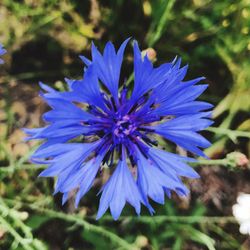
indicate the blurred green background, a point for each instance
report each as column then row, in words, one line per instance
column 44, row 39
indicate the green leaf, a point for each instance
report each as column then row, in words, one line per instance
column 199, row 237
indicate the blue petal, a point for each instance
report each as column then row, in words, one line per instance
column 33, row 131
column 69, row 82
column 65, row 111
column 2, row 52
column 120, row 188
column 188, row 122
column 147, row 77
column 171, row 164
column 47, row 88
column 77, row 176
column 65, row 198
column 60, row 149
column 108, row 66
column 82, row 178
column 88, row 89
column 56, row 130
column 179, row 92
column 85, row 60
column 152, row 181
column 182, row 131
column 177, row 98
column 183, row 108
column 61, row 129
column 68, row 165
column 142, row 70
column 186, row 139
column 88, row 174
column 189, row 94
column 68, row 161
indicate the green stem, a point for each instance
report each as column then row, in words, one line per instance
column 155, row 36
column 198, row 219
column 12, row 168
column 230, row 241
column 17, row 236
column 130, row 79
column 230, row 133
column 79, row 221
column 5, row 211
column 146, row 219
column 221, row 162
column 14, row 215
column 179, row 219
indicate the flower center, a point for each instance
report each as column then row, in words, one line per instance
column 124, row 127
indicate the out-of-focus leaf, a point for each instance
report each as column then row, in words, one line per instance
column 198, row 236
column 35, row 221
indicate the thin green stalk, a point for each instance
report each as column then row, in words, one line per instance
column 91, row 227
column 26, row 156
column 79, row 221
column 230, row 240
column 146, row 219
column 13, row 215
column 155, row 36
column 12, row 168
column 217, row 162
column 24, row 242
column 130, row 79
column 29, row 75
column 179, row 219
column 229, row 132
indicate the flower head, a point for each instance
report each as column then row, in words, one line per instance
column 112, row 127
column 2, row 52
column 241, row 211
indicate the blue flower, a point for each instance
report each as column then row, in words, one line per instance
column 2, row 52
column 99, row 122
